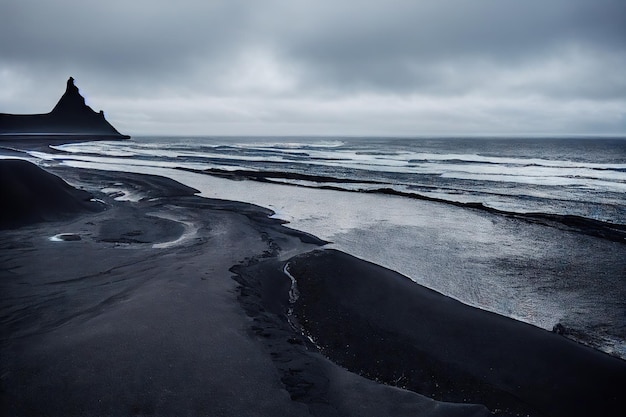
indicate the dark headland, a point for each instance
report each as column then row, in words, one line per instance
column 181, row 305
column 71, row 119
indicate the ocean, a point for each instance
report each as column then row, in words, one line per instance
column 529, row 228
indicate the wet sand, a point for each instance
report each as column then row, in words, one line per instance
column 432, row 344
column 179, row 305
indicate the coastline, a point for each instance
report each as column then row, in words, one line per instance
column 592, row 227
column 430, row 343
column 37, row 141
column 130, row 328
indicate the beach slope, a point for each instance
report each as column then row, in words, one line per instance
column 140, row 313
column 381, row 324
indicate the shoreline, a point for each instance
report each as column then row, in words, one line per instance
column 435, row 345
column 614, row 232
column 179, row 313
column 109, row 324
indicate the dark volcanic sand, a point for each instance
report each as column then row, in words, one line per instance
column 31, row 195
column 111, row 325
column 178, row 305
column 381, row 324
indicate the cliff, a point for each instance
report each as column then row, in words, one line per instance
column 71, row 117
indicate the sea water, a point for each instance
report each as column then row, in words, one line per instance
column 338, row 189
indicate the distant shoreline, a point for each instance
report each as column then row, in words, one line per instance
column 56, row 136
column 32, row 142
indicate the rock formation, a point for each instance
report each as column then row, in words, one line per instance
column 70, row 117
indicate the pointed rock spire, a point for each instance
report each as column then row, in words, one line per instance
column 70, row 116
column 71, row 100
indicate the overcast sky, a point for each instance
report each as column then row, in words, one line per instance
column 340, row 67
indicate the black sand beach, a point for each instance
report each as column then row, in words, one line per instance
column 179, row 305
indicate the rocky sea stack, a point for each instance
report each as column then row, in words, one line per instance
column 70, row 117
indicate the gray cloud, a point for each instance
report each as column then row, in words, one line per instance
column 412, row 44
column 331, row 67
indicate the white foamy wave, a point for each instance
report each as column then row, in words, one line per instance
column 96, row 148
column 288, row 145
column 329, row 153
column 589, row 184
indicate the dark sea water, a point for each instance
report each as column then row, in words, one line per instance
column 464, row 216
column 585, row 177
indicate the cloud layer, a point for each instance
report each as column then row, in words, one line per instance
column 302, row 67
